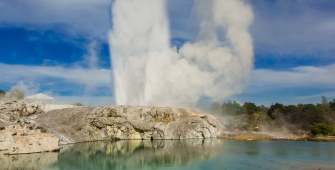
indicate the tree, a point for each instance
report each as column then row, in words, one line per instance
column 324, row 101
column 322, row 129
column 332, row 104
column 274, row 108
column 250, row 107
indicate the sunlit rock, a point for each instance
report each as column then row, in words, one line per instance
column 128, row 122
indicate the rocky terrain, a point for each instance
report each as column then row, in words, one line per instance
column 26, row 128
column 81, row 124
column 18, row 134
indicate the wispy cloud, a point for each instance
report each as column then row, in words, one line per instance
column 15, row 73
column 266, row 85
column 281, row 27
column 303, row 84
column 298, row 77
column 291, row 27
column 76, row 17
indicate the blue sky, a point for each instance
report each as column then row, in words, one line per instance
column 60, row 48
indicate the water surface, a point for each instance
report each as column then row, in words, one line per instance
column 215, row 154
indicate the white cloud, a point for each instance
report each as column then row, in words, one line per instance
column 15, row 73
column 297, row 77
column 290, row 27
column 304, row 84
column 281, row 27
column 79, row 82
column 79, row 17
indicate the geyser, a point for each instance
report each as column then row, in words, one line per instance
column 147, row 71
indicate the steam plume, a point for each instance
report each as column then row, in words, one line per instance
column 147, row 71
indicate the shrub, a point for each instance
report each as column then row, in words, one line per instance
column 322, row 129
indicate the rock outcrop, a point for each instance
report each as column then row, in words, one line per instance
column 17, row 108
column 127, row 122
column 19, row 140
column 18, row 133
column 25, row 128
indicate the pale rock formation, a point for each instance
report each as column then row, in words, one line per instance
column 18, row 140
column 25, row 128
column 50, row 107
column 18, row 133
column 128, row 122
column 16, row 108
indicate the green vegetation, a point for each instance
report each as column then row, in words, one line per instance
column 322, row 129
column 296, row 119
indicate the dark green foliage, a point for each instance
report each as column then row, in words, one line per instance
column 294, row 118
column 302, row 116
column 332, row 104
column 324, row 100
column 322, row 129
column 250, row 107
column 275, row 108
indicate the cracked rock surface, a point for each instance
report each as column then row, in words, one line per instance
column 81, row 124
column 26, row 128
column 18, row 132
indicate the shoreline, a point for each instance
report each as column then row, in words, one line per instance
column 245, row 136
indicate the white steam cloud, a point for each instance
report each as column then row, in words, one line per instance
column 147, row 71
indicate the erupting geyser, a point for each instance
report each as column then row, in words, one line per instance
column 147, row 71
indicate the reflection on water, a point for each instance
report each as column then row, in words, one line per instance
column 212, row 154
column 28, row 161
column 137, row 154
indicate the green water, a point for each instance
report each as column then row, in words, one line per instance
column 185, row 154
